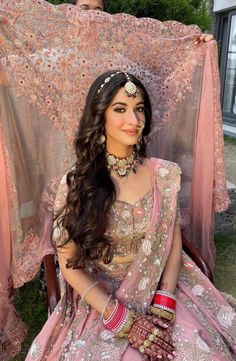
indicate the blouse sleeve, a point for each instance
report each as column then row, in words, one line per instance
column 178, row 215
column 59, row 233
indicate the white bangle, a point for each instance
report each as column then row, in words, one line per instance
column 105, row 307
column 166, row 293
column 88, row 290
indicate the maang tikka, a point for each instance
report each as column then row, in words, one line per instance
column 131, row 89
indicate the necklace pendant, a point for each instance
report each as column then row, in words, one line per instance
column 122, row 172
column 123, row 166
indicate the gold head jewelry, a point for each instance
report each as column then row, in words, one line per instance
column 131, row 89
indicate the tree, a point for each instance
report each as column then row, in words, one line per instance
column 184, row 11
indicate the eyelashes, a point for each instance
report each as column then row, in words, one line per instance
column 123, row 110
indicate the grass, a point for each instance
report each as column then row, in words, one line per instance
column 229, row 139
column 225, row 270
column 31, row 304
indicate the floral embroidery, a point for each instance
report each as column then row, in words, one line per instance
column 35, row 350
column 147, row 247
column 143, row 283
column 163, row 172
column 198, row 290
column 202, row 345
column 226, row 316
column 106, row 335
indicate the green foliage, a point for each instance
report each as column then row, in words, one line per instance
column 31, row 306
column 184, row 11
column 229, row 139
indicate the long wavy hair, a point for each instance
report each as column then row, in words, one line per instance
column 91, row 192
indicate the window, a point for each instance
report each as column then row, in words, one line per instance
column 228, row 65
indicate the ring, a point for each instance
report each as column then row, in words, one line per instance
column 152, row 337
column 141, row 349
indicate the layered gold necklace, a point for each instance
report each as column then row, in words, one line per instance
column 123, row 166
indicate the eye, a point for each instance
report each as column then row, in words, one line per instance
column 119, row 110
column 140, row 109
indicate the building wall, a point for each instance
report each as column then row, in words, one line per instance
column 221, row 5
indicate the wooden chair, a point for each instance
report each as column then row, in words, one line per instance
column 53, row 290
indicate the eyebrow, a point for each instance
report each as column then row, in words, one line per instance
column 87, row 7
column 121, row 103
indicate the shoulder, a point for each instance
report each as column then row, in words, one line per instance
column 167, row 174
column 164, row 166
column 61, row 195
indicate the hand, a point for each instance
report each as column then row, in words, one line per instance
column 205, row 38
column 161, row 322
column 157, row 341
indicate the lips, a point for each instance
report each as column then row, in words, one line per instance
column 131, row 132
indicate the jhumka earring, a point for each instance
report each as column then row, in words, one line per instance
column 138, row 145
column 102, row 140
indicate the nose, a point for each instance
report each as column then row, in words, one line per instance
column 133, row 118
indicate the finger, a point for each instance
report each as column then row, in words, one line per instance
column 159, row 321
column 161, row 343
column 156, row 354
column 208, row 38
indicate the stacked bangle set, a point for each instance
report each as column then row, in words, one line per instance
column 121, row 319
column 164, row 305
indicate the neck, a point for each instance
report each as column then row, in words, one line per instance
column 120, row 152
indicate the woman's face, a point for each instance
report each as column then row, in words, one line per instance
column 90, row 4
column 124, row 121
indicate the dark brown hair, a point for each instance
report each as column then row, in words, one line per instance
column 91, row 191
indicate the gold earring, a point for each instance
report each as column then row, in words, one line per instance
column 138, row 145
column 102, row 139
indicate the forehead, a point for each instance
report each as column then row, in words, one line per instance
column 91, row 3
column 122, row 97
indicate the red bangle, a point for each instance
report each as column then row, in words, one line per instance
column 164, row 301
column 118, row 316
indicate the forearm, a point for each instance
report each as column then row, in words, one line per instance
column 80, row 281
column 170, row 274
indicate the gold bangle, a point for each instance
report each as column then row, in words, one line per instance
column 123, row 333
column 162, row 313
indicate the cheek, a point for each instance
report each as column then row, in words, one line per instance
column 114, row 123
column 142, row 118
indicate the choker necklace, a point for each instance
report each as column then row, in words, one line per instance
column 123, row 166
